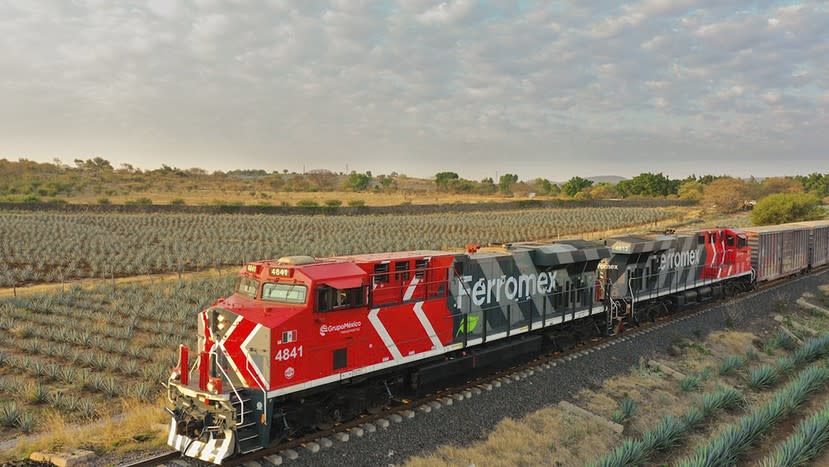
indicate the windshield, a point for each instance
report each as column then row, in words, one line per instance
column 284, row 293
column 247, row 287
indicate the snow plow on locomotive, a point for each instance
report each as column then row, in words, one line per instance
column 305, row 342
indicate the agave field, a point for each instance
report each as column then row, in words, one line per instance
column 732, row 441
column 79, row 351
column 54, row 247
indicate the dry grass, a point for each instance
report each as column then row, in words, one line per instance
column 547, row 437
column 138, row 427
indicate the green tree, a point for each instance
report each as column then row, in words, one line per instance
column 555, row 190
column 542, row 186
column 816, row 183
column 442, row 179
column 505, row 183
column 385, row 181
column 780, row 208
column 575, row 185
column 648, row 184
column 357, row 181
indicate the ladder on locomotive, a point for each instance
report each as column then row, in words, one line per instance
column 247, row 431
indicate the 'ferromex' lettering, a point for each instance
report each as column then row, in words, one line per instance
column 676, row 260
column 485, row 291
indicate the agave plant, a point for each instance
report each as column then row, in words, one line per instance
column 812, row 349
column 627, row 407
column 9, row 413
column 85, row 408
column 730, row 443
column 804, row 444
column 762, row 377
column 785, row 364
column 724, row 398
column 730, row 364
column 37, row 393
column 630, row 452
column 8, row 385
column 142, row 391
column 26, row 422
column 691, row 383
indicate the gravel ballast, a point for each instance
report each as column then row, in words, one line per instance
column 471, row 420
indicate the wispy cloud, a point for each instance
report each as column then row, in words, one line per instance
column 478, row 86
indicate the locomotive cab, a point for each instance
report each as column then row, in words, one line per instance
column 219, row 403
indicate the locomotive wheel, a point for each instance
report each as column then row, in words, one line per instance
column 335, row 411
column 377, row 401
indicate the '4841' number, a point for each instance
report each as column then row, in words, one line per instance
column 288, row 353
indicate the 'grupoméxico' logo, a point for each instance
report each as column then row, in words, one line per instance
column 342, row 327
column 485, row 291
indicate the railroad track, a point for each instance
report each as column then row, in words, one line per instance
column 405, row 409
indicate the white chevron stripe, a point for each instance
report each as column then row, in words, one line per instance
column 221, row 345
column 427, row 326
column 250, row 361
column 384, row 334
column 411, row 289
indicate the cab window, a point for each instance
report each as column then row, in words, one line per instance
column 741, row 242
column 283, row 292
column 246, row 286
column 329, row 298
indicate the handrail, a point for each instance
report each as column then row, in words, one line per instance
column 190, row 371
column 264, row 392
column 241, row 402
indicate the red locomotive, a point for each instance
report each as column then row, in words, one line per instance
column 306, row 342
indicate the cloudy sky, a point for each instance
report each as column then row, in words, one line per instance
column 546, row 88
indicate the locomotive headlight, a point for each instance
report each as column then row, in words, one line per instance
column 211, row 387
column 222, row 322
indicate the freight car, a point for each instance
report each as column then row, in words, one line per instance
column 818, row 242
column 305, row 342
column 778, row 250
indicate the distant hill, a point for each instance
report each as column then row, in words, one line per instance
column 612, row 179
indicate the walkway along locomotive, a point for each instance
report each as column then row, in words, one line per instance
column 307, row 342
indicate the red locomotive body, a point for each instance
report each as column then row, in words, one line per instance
column 298, row 324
